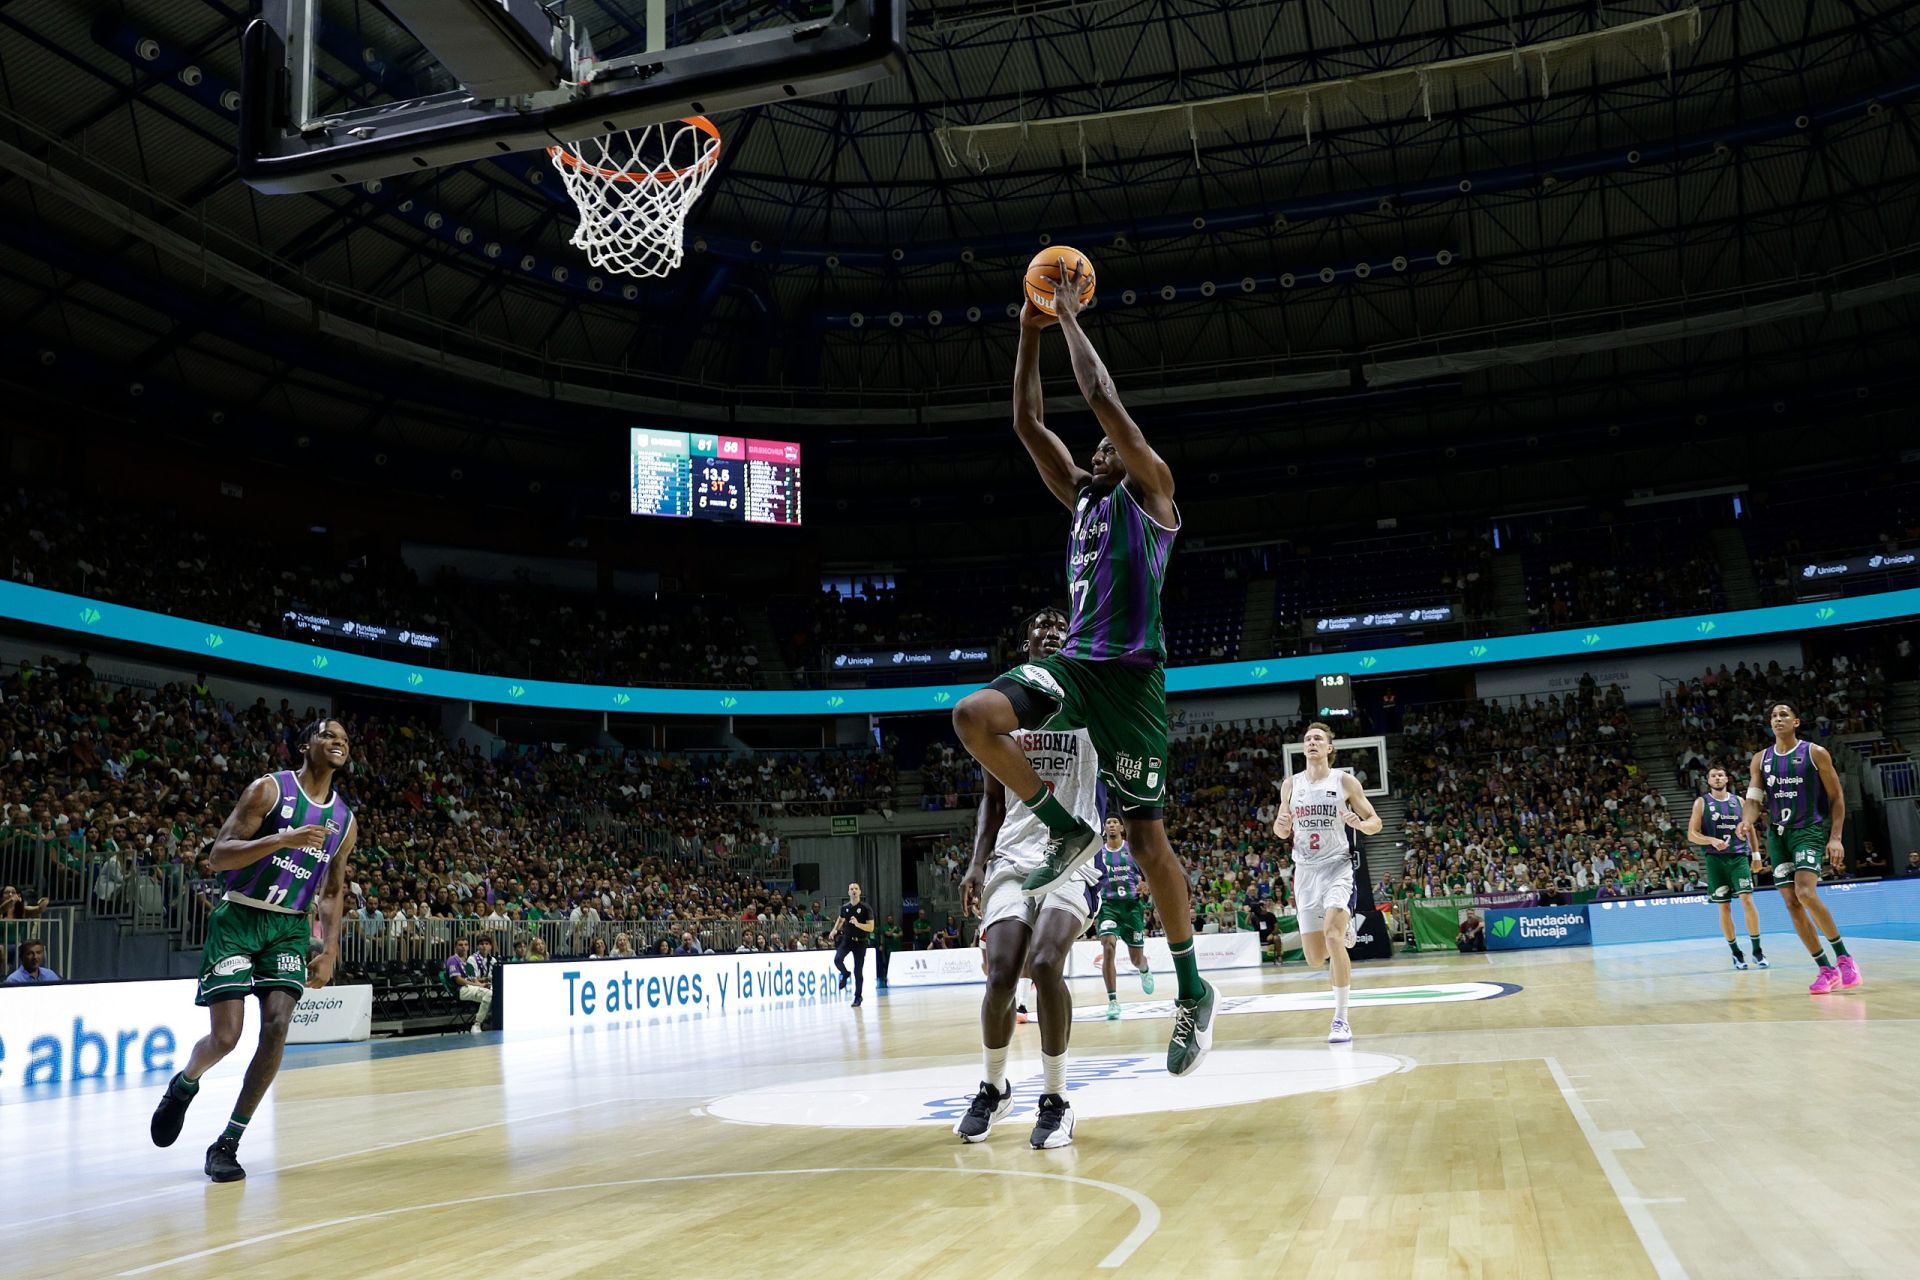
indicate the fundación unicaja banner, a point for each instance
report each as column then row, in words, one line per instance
column 1521, row 928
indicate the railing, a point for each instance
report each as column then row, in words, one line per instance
column 366, row 944
column 53, row 928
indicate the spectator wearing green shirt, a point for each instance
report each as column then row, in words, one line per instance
column 922, row 932
column 890, row 940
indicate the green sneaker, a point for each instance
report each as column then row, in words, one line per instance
column 1065, row 855
column 1113, row 1008
column 1192, row 1033
column 1146, row 981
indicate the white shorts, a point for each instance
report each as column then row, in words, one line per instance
column 1320, row 887
column 1005, row 901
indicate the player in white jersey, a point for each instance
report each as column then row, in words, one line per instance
column 1034, row 933
column 1317, row 807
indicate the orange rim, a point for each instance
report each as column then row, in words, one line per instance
column 701, row 123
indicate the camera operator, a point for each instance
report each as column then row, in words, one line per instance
column 851, row 932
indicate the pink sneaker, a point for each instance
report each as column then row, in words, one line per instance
column 1829, row 980
column 1849, row 972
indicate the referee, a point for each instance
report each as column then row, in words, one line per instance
column 853, row 930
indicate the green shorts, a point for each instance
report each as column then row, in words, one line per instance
column 1728, row 875
column 252, row 952
column 1796, row 849
column 1123, row 708
column 1125, row 919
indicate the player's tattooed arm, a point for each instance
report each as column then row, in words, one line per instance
column 1147, row 472
column 1750, row 803
column 1836, row 800
column 1064, row 478
column 231, row 850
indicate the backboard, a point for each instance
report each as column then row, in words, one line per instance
column 336, row 92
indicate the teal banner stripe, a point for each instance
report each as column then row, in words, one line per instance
column 196, row 640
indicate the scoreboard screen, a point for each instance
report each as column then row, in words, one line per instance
column 704, row 477
column 1333, row 697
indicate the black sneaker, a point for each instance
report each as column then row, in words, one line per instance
column 845, row 978
column 223, row 1161
column 171, row 1113
column 1054, row 1127
column 1065, row 854
column 989, row 1104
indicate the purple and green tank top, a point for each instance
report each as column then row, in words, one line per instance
column 1795, row 795
column 1116, row 564
column 1721, row 819
column 1119, row 874
column 290, row 879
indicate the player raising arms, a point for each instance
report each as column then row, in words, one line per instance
column 1108, row 676
column 1123, row 918
column 1729, row 860
column 280, row 850
column 1805, row 811
column 1316, row 809
column 1019, row 930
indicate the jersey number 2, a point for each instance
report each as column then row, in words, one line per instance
column 1313, row 842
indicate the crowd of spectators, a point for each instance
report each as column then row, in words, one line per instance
column 1616, row 573
column 1721, row 716
column 1534, row 795
column 608, row 638
column 126, row 788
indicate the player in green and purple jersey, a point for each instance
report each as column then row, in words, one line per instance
column 1108, row 676
column 1715, row 824
column 281, row 851
column 1123, row 917
column 1805, row 810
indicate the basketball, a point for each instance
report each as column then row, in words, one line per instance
column 1049, row 267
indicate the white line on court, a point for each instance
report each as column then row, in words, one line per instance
column 1149, row 1212
column 1666, row 1263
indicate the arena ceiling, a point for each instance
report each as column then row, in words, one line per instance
column 1633, row 245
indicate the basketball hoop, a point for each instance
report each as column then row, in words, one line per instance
column 634, row 189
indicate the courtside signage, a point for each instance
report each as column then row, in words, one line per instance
column 1521, row 928
column 137, row 1031
column 1855, row 905
column 1109, row 1085
column 580, row 995
column 232, row 643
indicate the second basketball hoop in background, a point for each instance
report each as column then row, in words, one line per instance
column 634, row 189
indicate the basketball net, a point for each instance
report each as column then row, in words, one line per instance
column 634, row 189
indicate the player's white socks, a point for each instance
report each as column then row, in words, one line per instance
column 1054, row 1068
column 996, row 1063
column 1340, row 1002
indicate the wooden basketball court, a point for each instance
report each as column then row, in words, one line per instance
column 1619, row 1112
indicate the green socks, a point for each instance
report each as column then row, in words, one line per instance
column 236, row 1127
column 1050, row 811
column 186, row 1086
column 1186, row 970
column 1735, row 948
column 1839, row 947
column 1820, row 959
column 1754, row 938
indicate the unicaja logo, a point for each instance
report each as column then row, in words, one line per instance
column 1502, row 928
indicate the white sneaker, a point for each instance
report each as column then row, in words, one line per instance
column 1353, row 928
column 1341, row 1033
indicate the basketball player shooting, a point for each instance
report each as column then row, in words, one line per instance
column 1317, row 808
column 1108, row 677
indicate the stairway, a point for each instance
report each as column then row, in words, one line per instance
column 1655, row 754
column 759, row 634
column 1901, row 717
column 1256, row 625
column 908, row 790
column 1509, row 594
column 1387, row 852
column 1736, row 568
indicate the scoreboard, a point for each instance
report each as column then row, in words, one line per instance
column 705, row 477
column 1333, row 697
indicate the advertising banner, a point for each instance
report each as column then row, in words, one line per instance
column 1384, row 619
column 1522, row 928
column 935, row 968
column 1892, row 906
column 332, row 1015
column 576, row 995
column 139, row 1031
column 888, row 659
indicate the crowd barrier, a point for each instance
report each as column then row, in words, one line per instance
column 74, row 1032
